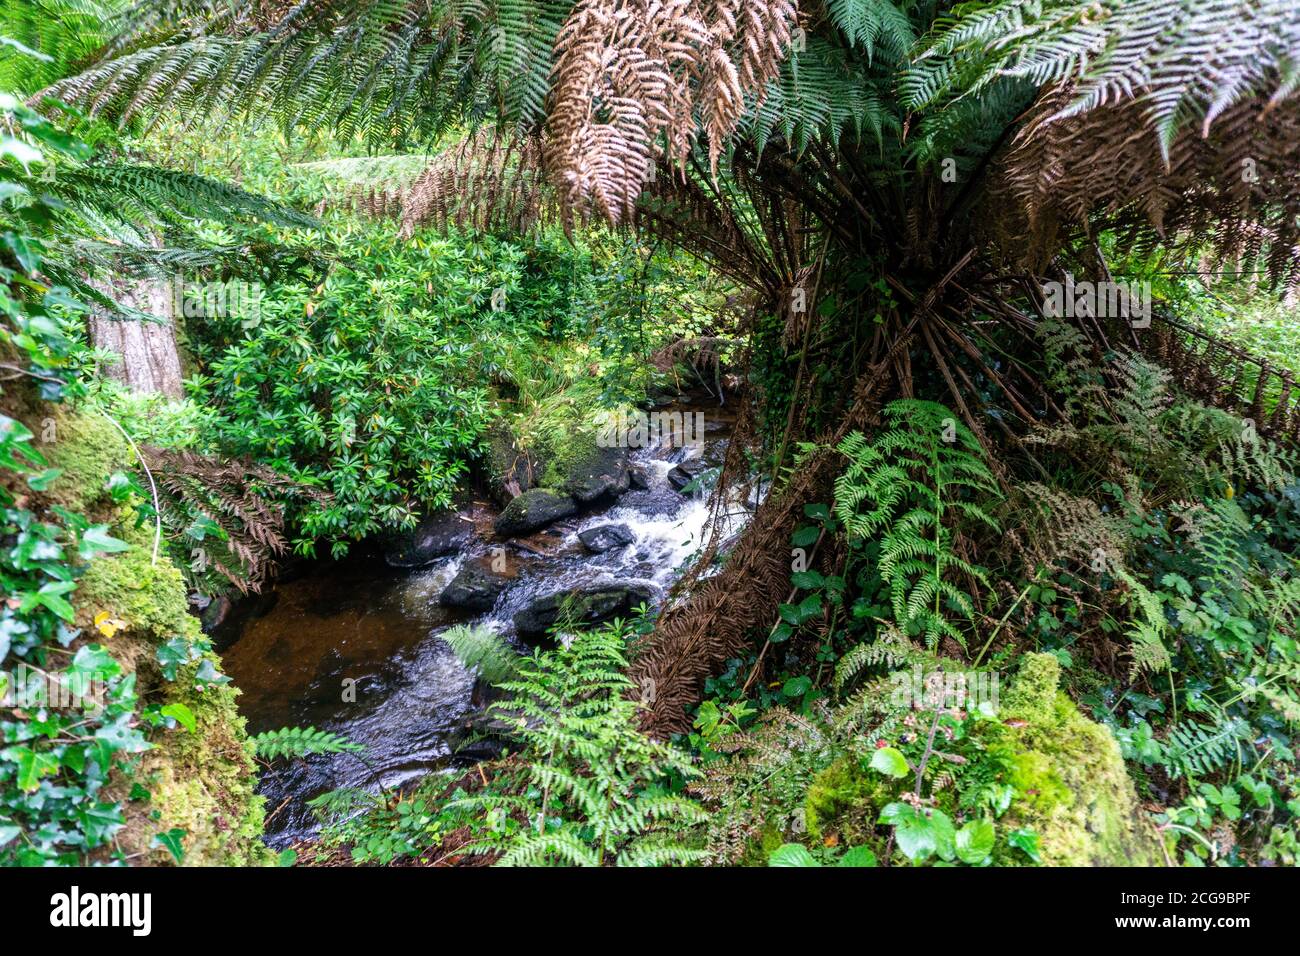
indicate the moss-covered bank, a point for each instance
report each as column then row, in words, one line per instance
column 200, row 782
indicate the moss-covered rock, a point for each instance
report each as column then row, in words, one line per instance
column 1069, row 777
column 585, row 471
column 532, row 511
column 201, row 782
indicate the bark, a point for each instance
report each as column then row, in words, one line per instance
column 148, row 359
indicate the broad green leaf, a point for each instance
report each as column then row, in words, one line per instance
column 791, row 854
column 1026, row 841
column 975, row 842
column 181, row 714
column 171, row 840
column 857, row 856
column 890, row 762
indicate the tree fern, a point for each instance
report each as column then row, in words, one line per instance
column 917, row 485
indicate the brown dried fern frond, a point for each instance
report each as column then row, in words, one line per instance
column 244, row 500
column 633, row 78
column 489, row 180
column 1233, row 184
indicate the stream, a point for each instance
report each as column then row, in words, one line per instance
column 353, row 646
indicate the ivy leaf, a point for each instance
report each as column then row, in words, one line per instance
column 171, row 840
column 32, row 766
column 96, row 541
column 182, row 715
column 975, row 842
column 791, row 854
column 1026, row 841
column 43, row 481
column 890, row 762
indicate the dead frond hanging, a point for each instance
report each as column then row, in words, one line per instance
column 228, row 515
column 1233, row 184
column 632, row 77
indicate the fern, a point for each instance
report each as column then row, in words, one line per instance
column 480, row 648
column 891, row 649
column 592, row 794
column 301, row 742
column 1198, row 750
column 918, row 489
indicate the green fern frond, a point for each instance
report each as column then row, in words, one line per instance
column 301, row 742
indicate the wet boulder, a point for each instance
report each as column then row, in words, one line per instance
column 589, row 605
column 683, row 474
column 593, row 472
column 474, row 588
column 606, row 537
column 532, row 511
column 436, row 536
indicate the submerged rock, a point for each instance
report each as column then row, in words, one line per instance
column 533, row 510
column 606, row 537
column 589, row 605
column 436, row 536
column 474, row 588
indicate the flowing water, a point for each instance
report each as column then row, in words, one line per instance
column 353, row 646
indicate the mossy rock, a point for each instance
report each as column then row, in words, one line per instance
column 1071, row 785
column 532, row 511
column 201, row 782
column 585, row 471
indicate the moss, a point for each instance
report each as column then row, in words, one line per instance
column 88, row 449
column 201, row 782
column 1069, row 776
column 843, row 800
column 759, row 849
column 567, row 452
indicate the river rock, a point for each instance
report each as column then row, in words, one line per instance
column 511, row 470
column 597, row 472
column 638, row 479
column 532, row 510
column 474, row 588
column 436, row 536
column 606, row 537
column 683, row 474
column 589, row 605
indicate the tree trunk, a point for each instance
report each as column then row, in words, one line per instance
column 148, row 358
